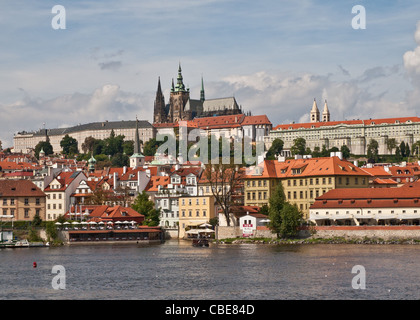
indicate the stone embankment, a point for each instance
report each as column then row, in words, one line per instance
column 319, row 241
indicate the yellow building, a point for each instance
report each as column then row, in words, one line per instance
column 194, row 211
column 303, row 180
column 21, row 200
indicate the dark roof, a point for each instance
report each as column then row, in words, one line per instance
column 104, row 125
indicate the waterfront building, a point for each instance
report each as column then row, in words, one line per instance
column 21, row 200
column 236, row 212
column 355, row 134
column 59, row 191
column 194, row 211
column 304, row 179
column 372, row 206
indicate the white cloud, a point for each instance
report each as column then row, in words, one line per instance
column 108, row 102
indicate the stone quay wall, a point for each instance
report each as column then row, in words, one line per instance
column 328, row 232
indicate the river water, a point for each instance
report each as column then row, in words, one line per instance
column 178, row 271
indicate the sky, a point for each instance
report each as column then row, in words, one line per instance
column 275, row 57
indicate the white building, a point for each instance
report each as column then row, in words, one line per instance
column 355, row 134
column 59, row 191
column 368, row 206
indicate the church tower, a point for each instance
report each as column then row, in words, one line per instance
column 137, row 159
column 326, row 113
column 202, row 97
column 178, row 99
column 159, row 113
column 315, row 113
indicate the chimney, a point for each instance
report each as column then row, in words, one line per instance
column 115, row 179
column 124, row 169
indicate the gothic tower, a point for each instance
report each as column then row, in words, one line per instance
column 159, row 113
column 314, row 112
column 326, row 113
column 202, row 98
column 179, row 97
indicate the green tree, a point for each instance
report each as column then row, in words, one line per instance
column 43, row 145
column 373, row 151
column 120, row 160
column 391, row 144
column 345, row 151
column 299, row 146
column 276, row 202
column 403, row 149
column 275, row 149
column 113, row 144
column 291, row 219
column 69, row 145
column 89, row 144
column 285, row 218
column 316, row 153
column 151, row 146
column 144, row 206
column 128, row 147
column 415, row 148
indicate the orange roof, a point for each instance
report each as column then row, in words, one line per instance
column 19, row 188
column 326, row 166
column 369, row 197
column 219, row 121
column 249, row 120
column 156, row 181
column 377, row 171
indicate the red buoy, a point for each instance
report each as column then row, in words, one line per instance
column 34, row 264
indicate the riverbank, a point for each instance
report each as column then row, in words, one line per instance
column 334, row 240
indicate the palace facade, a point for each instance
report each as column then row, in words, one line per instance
column 355, row 134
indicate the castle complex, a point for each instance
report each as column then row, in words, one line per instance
column 355, row 134
column 182, row 108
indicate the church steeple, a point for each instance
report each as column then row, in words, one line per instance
column 179, row 80
column 326, row 113
column 314, row 112
column 137, row 159
column 202, row 97
column 159, row 112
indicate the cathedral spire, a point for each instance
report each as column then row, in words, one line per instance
column 179, row 80
column 159, row 112
column 202, row 98
column 137, row 138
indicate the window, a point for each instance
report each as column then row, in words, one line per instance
column 190, row 213
column 197, row 202
column 26, row 213
column 26, row 201
column 197, row 213
column 12, row 212
column 204, row 213
column 5, row 202
column 183, row 213
column 204, row 201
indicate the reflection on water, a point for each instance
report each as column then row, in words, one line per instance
column 177, row 270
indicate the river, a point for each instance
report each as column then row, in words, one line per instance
column 176, row 270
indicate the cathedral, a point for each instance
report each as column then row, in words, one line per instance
column 182, row 108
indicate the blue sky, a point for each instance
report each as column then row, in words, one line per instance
column 274, row 56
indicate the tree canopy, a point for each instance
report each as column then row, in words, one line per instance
column 144, row 206
column 285, row 218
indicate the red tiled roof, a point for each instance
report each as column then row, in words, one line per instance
column 326, row 166
column 19, row 188
column 309, row 125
